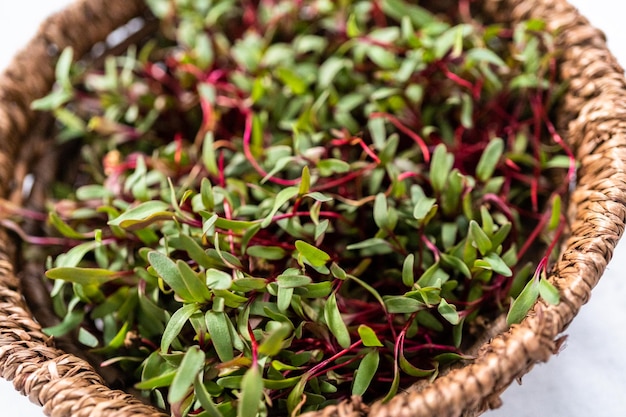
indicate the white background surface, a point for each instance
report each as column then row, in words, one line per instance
column 588, row 378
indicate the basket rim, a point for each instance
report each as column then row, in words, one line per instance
column 594, row 103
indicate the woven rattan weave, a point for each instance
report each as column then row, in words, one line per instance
column 592, row 118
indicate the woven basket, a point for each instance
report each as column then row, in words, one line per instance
column 592, row 118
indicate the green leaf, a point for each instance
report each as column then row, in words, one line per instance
column 368, row 336
column 273, row 253
column 372, row 243
column 193, row 282
column 83, row 276
column 524, row 302
column 281, row 383
column 376, row 127
column 548, row 291
column 384, row 58
column 218, row 280
column 192, row 247
column 143, row 215
column 162, row 380
column 203, row 396
column 337, row 271
column 555, row 215
column 365, row 372
column 455, row 263
column 467, row 111
column 498, row 265
column 283, row 298
column 312, row 255
column 168, row 270
column 440, row 166
column 52, row 101
column 399, row 304
column 63, row 67
column 329, row 70
column 448, row 312
column 335, row 323
column 291, row 80
column 408, row 277
column 273, row 343
column 292, row 281
column 219, row 330
column 71, row 320
column 432, row 275
column 175, row 325
column 87, row 338
column 479, row 237
column 281, row 198
column 501, row 234
column 484, row 55
column 65, row 229
column 489, row 159
column 189, row 369
column 412, row 370
column 423, row 207
column 381, row 211
column 294, row 400
column 251, row 393
column 331, row 166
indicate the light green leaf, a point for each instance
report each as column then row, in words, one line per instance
column 489, row 159
column 329, row 70
column 335, row 323
column 372, row 243
column 312, row 255
column 295, row 396
column 455, row 263
column 162, row 380
column 283, row 298
column 399, row 304
column 169, row 272
column 203, row 396
column 524, row 302
column 273, row 343
column 440, row 166
column 408, row 277
column 412, row 370
column 365, row 372
column 555, row 215
column 193, row 282
column 87, row 338
column 185, row 242
column 423, row 207
column 368, row 336
column 175, row 325
column 143, row 215
column 266, row 252
column 479, row 237
column 281, row 198
column 251, row 393
column 83, row 276
column 188, row 370
column 64, row 228
column 218, row 280
column 292, row 281
column 548, row 292
column 219, row 330
column 448, row 312
column 498, row 265
column 331, row 166
column 63, row 67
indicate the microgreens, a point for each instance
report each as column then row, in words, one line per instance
column 281, row 204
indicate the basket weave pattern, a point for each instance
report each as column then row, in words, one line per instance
column 592, row 119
